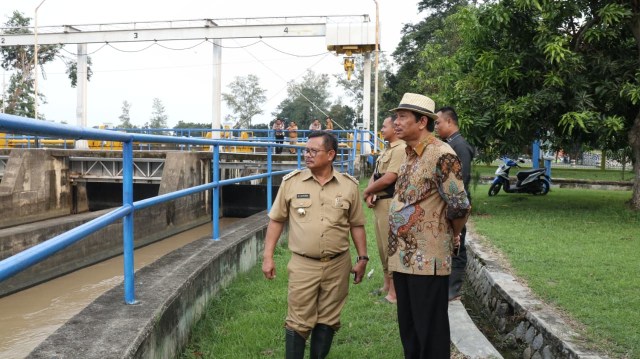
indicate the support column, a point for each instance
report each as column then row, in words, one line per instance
column 217, row 88
column 366, row 103
column 81, row 82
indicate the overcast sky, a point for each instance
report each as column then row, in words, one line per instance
column 181, row 79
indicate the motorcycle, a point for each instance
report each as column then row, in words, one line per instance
column 533, row 181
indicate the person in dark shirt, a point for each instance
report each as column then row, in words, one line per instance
column 449, row 131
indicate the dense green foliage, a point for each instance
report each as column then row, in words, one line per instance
column 565, row 72
column 306, row 100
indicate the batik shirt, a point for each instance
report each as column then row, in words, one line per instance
column 429, row 193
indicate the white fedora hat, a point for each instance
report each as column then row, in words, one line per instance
column 418, row 103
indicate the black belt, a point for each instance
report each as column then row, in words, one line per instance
column 386, row 196
column 321, row 259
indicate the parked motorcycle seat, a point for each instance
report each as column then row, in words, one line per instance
column 524, row 174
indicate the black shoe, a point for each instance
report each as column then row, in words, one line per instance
column 321, row 339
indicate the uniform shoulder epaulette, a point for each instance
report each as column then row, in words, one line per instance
column 355, row 180
column 291, row 174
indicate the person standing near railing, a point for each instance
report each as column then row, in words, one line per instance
column 293, row 135
column 278, row 128
column 322, row 207
column 328, row 124
column 315, row 125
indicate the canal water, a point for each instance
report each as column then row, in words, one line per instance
column 28, row 317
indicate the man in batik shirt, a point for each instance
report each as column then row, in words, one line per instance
column 426, row 216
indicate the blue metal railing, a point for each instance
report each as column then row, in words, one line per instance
column 25, row 126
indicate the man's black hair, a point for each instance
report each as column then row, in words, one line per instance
column 449, row 112
column 329, row 141
column 431, row 123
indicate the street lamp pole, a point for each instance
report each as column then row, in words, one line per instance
column 375, row 90
column 35, row 59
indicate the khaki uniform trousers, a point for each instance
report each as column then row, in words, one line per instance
column 317, row 292
column 381, row 212
column 293, row 141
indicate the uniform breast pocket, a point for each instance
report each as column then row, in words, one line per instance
column 383, row 162
column 339, row 212
column 301, row 210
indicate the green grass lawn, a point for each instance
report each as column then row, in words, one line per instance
column 577, row 249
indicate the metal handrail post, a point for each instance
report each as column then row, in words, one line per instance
column 269, row 179
column 216, row 193
column 127, row 221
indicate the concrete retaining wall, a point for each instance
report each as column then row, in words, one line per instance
column 150, row 224
column 172, row 294
column 35, row 186
column 516, row 313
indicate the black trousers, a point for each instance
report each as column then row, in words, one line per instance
column 279, row 139
column 422, row 315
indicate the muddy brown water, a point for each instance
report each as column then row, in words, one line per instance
column 28, row 317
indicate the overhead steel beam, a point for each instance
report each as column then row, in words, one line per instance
column 166, row 34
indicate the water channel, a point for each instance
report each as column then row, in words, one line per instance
column 28, row 317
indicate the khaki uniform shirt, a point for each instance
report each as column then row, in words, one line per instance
column 390, row 160
column 320, row 217
column 429, row 192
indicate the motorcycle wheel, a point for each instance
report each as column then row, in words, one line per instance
column 494, row 189
column 543, row 187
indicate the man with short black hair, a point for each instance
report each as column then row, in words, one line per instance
column 449, row 131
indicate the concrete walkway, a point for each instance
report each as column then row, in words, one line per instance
column 466, row 336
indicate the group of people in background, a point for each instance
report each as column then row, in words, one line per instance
column 279, row 129
column 420, row 198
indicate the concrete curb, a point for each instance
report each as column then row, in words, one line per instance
column 466, row 336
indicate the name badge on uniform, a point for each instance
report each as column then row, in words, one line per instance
column 338, row 200
column 303, row 195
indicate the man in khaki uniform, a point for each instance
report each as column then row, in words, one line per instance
column 321, row 206
column 378, row 195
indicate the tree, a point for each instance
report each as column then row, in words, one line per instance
column 535, row 69
column 21, row 99
column 125, row 119
column 344, row 116
column 305, row 100
column 182, row 124
column 246, row 98
column 158, row 116
column 407, row 54
column 72, row 70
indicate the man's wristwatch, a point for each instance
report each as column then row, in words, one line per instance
column 362, row 258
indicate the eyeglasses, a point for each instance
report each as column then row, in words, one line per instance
column 312, row 152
